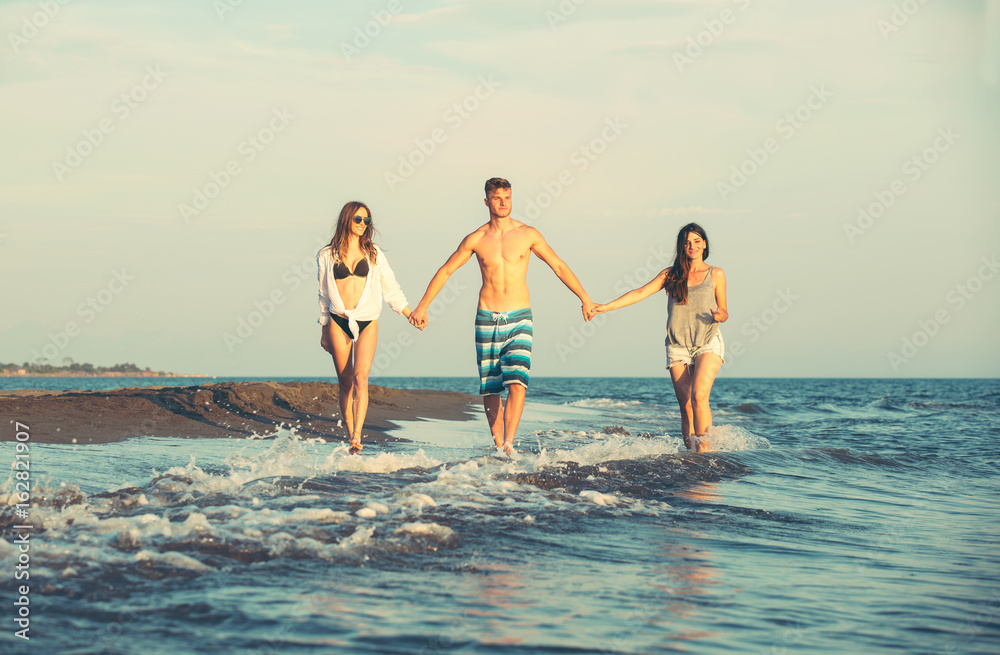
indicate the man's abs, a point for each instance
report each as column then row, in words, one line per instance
column 504, row 291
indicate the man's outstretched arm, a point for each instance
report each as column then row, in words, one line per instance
column 545, row 252
column 418, row 317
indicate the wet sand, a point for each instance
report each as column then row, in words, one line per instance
column 227, row 409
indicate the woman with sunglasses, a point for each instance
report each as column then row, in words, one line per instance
column 354, row 277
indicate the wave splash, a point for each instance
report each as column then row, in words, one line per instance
column 299, row 499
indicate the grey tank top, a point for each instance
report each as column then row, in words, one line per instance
column 691, row 325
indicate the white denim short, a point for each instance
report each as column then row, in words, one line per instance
column 684, row 355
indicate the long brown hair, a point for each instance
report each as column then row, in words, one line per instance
column 677, row 277
column 342, row 233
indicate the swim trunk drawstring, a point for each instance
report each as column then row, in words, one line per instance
column 497, row 316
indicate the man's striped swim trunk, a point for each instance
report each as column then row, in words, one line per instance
column 503, row 348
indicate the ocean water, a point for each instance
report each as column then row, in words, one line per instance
column 833, row 516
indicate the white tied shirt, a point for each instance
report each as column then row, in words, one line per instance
column 379, row 283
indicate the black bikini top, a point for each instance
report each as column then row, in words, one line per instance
column 340, row 269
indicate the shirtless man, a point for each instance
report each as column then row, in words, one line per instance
column 503, row 321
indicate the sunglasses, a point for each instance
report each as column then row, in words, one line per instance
column 358, row 219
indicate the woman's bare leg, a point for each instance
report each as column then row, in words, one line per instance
column 682, row 378
column 706, row 367
column 364, row 354
column 342, row 350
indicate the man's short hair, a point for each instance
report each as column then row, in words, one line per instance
column 495, row 183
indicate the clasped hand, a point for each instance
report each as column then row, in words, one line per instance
column 590, row 310
column 418, row 319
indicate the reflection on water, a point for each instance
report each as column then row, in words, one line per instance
column 685, row 575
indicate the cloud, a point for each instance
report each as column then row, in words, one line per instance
column 438, row 15
column 697, row 209
column 667, row 48
column 281, row 32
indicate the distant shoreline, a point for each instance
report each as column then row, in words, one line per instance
column 103, row 375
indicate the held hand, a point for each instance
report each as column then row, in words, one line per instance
column 595, row 310
column 719, row 316
column 418, row 318
column 589, row 309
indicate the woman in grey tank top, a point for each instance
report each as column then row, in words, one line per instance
column 696, row 305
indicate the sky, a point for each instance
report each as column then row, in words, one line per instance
column 169, row 171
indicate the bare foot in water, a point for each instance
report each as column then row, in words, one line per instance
column 498, row 441
column 507, row 447
column 356, row 447
column 696, row 444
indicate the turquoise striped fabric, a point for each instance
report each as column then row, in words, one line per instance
column 503, row 349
